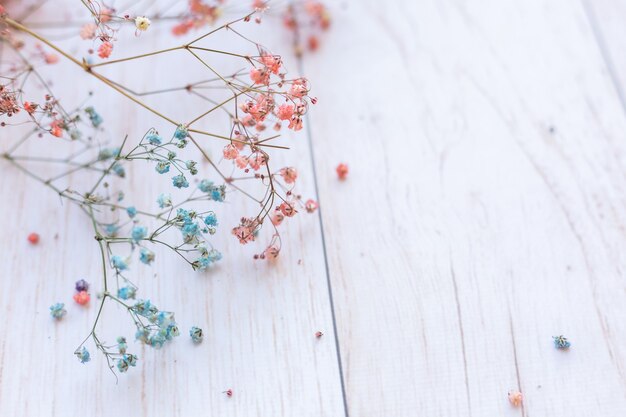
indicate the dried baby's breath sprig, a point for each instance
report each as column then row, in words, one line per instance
column 261, row 95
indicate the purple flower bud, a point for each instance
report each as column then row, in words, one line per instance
column 82, row 285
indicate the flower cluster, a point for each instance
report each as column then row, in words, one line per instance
column 262, row 96
column 306, row 20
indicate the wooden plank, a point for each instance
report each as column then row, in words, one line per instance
column 259, row 319
column 484, row 209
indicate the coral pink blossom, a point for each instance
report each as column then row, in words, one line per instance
column 271, row 252
column 245, row 231
column 104, row 51
column 342, row 171
column 230, row 151
column 289, row 174
column 271, row 62
column 33, row 238
column 182, row 28
column 277, row 217
column 55, row 128
column 284, row 111
column 298, row 88
column 260, row 76
column 295, row 123
column 241, row 161
column 105, row 15
column 515, row 398
column 256, row 160
column 51, row 58
column 287, row 209
column 311, row 205
column 82, row 297
column 29, row 107
column 88, row 31
column 259, row 5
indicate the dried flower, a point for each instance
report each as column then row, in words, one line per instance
column 311, row 205
column 342, row 171
column 83, row 355
column 58, row 311
column 196, row 334
column 105, row 49
column 81, row 285
column 33, row 238
column 561, row 342
column 82, row 297
column 142, row 23
column 515, row 398
column 138, row 233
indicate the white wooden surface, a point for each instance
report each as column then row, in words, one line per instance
column 483, row 214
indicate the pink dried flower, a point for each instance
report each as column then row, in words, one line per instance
column 342, row 171
column 515, row 398
column 295, row 123
column 256, row 160
column 241, row 161
column 277, row 217
column 284, row 111
column 88, row 31
column 287, row 209
column 260, row 76
column 299, row 88
column 246, row 229
column 30, row 107
column 105, row 15
column 82, row 297
column 271, row 62
column 104, row 51
column 289, row 174
column 56, row 128
column 230, row 152
column 33, row 238
column 51, row 58
column 311, row 205
column 271, row 252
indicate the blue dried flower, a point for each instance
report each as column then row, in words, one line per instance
column 126, row 292
column 205, row 186
column 164, row 200
column 211, row 219
column 179, row 181
column 108, row 153
column 154, row 139
column 561, row 342
column 119, row 263
column 146, row 256
column 181, row 132
column 119, row 170
column 218, row 194
column 57, row 311
column 196, row 334
column 121, row 344
column 94, row 117
column 191, row 166
column 125, row 362
column 162, row 167
column 190, row 231
column 131, row 211
column 111, row 229
column 83, row 355
column 138, row 233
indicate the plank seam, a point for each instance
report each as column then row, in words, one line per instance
column 328, row 280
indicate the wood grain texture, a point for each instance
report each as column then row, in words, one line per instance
column 259, row 320
column 484, row 210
